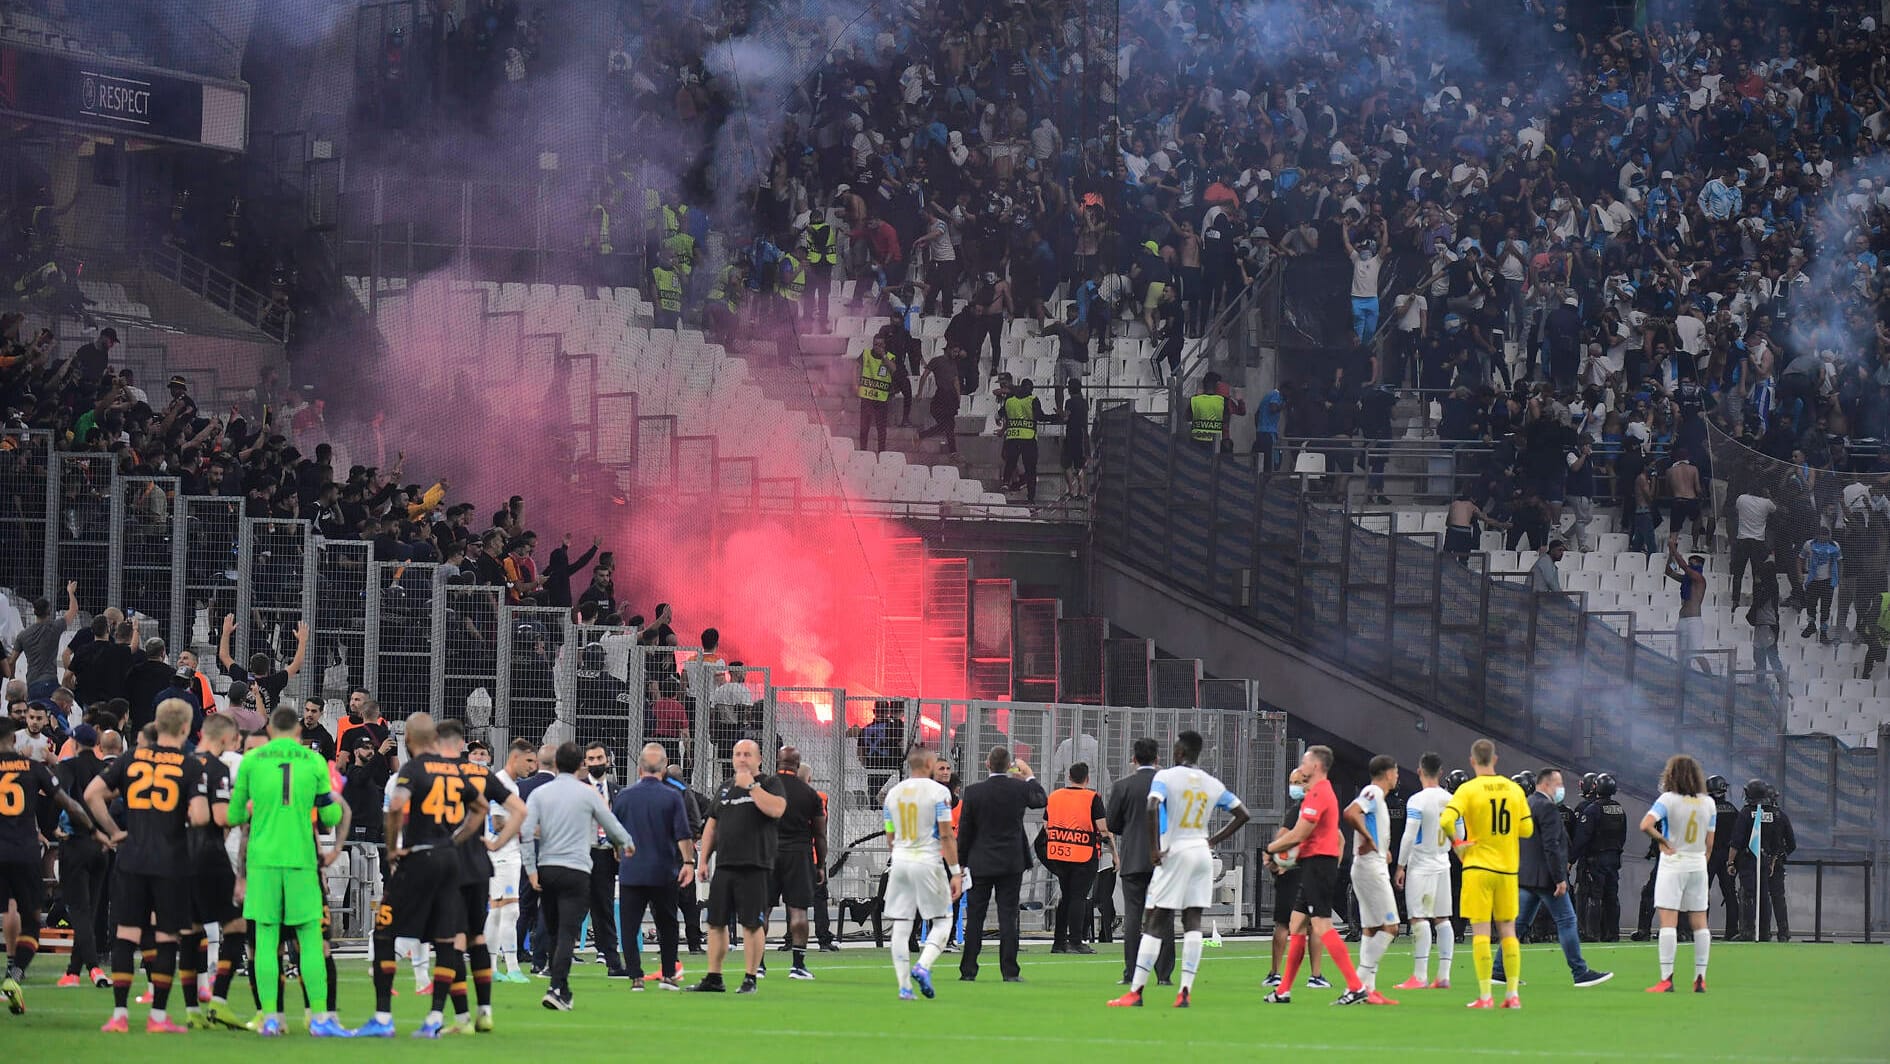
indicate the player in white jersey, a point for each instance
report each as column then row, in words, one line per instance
column 1681, row 823
column 1371, row 873
column 919, row 825
column 1424, row 874
column 521, row 760
column 1180, row 798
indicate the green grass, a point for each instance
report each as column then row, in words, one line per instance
column 1769, row 1002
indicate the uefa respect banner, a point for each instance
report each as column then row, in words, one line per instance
column 112, row 97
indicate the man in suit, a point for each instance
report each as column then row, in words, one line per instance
column 993, row 847
column 1128, row 822
column 603, row 867
column 530, row 916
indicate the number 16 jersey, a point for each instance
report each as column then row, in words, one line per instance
column 1187, row 795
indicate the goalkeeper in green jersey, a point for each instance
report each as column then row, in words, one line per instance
column 281, row 792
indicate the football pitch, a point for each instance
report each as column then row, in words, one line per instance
column 1770, row 1002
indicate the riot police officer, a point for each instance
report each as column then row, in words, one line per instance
column 1577, row 890
column 1719, row 864
column 1644, row 920
column 1766, row 892
column 1600, row 833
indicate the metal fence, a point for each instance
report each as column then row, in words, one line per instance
column 28, row 563
column 1584, row 686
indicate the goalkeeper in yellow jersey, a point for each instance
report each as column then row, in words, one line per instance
column 1492, row 814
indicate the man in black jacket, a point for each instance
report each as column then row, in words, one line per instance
column 1128, row 809
column 991, row 840
column 559, row 573
column 1543, row 876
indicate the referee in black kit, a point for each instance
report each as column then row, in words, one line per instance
column 742, row 834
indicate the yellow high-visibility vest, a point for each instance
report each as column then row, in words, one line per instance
column 1020, row 419
column 668, row 289
column 820, row 245
column 601, row 214
column 796, row 282
column 727, row 288
column 682, row 250
column 875, row 376
column 1209, row 417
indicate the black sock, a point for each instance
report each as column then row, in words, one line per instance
column 229, row 952
column 479, row 962
column 446, row 960
column 800, row 956
column 384, row 964
column 163, row 973
column 458, row 989
column 334, row 983
column 191, row 948
column 124, row 952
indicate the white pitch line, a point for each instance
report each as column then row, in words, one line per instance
column 1249, row 1046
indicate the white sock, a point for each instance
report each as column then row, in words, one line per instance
column 1420, row 950
column 159, row 1016
column 1446, row 949
column 902, row 952
column 1669, row 945
column 935, row 939
column 383, row 1017
column 213, row 935
column 508, row 935
column 435, row 1017
column 1146, row 953
column 1370, row 950
column 1702, row 945
column 121, row 1014
column 1190, row 957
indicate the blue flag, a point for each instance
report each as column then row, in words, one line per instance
column 1753, row 846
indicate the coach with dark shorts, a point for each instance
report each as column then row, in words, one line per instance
column 800, row 865
column 742, row 831
column 1128, row 822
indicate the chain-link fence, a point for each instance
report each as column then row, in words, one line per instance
column 212, row 530
column 339, row 652
column 83, row 525
column 402, row 629
column 536, row 663
column 142, row 562
column 28, row 565
column 469, row 671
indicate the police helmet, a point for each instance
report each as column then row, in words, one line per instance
column 1717, row 786
column 1525, row 779
column 1457, row 778
column 1604, row 786
column 1588, row 784
column 1758, row 790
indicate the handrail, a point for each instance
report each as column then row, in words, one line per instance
column 212, row 285
column 1217, row 330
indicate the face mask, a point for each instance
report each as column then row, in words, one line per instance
column 597, row 771
column 1560, row 793
column 1296, row 792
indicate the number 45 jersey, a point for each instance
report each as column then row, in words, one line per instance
column 1187, row 795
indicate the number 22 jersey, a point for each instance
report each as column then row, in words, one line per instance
column 1187, row 795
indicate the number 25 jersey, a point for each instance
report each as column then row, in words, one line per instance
column 157, row 784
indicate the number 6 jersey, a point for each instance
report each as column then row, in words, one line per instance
column 1187, row 795
column 1686, row 821
column 157, row 783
